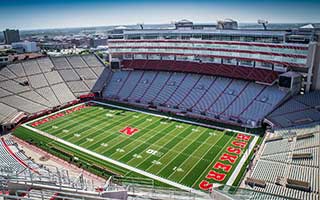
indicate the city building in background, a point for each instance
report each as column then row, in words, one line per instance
column 11, row 36
column 25, row 47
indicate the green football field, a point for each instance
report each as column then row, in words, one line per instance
column 177, row 151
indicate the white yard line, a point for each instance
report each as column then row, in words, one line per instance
column 131, row 139
column 172, row 183
column 69, row 120
column 149, row 175
column 172, row 118
column 242, row 161
column 179, row 154
column 144, row 142
column 76, row 129
column 200, row 158
column 209, row 166
column 148, row 113
column 96, row 128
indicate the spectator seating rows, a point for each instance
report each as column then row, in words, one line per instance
column 35, row 85
column 276, row 161
column 301, row 109
column 239, row 72
column 8, row 160
column 236, row 101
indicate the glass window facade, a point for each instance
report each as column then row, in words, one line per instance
column 253, row 56
column 249, row 47
column 207, row 36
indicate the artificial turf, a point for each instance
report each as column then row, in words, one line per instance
column 177, row 151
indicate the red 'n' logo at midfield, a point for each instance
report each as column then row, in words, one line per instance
column 129, row 130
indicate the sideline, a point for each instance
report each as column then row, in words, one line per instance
column 144, row 112
column 242, row 161
column 104, row 158
column 172, row 183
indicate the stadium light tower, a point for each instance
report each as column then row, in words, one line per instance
column 264, row 23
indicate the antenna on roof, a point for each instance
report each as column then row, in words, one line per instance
column 141, row 25
column 264, row 23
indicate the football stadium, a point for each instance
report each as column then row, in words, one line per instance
column 195, row 112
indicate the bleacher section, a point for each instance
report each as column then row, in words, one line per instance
column 13, row 159
column 39, row 84
column 6, row 111
column 232, row 192
column 217, row 98
column 82, row 74
column 280, row 169
column 247, row 73
column 301, row 109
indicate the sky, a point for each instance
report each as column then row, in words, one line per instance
column 40, row 14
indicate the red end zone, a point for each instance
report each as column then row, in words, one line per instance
column 225, row 163
column 129, row 130
column 58, row 115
